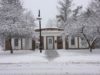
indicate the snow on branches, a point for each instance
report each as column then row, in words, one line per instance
column 86, row 25
column 13, row 21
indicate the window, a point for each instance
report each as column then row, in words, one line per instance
column 83, row 41
column 50, row 41
column 72, row 41
column 16, row 42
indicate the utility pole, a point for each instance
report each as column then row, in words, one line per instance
column 39, row 18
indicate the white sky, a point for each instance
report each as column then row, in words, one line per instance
column 48, row 8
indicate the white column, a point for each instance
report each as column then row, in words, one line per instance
column 30, row 43
column 76, row 42
column 27, row 43
column 3, row 47
column 69, row 42
column 79, row 42
column 2, row 42
column 23, row 41
column 19, row 43
column 12, row 43
column 63, row 38
column 44, row 42
column 55, row 43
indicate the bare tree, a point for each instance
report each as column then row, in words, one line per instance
column 86, row 26
column 51, row 23
column 64, row 10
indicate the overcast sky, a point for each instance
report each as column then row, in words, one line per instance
column 48, row 8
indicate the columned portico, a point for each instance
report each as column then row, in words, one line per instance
column 50, row 38
column 45, row 43
column 64, row 47
column 55, row 41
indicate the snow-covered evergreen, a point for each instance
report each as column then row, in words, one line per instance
column 14, row 21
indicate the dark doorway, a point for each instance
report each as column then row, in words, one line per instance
column 33, row 44
column 59, row 42
column 7, row 44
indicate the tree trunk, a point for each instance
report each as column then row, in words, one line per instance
column 87, row 42
column 92, row 45
column 91, row 49
column 40, row 51
column 11, row 50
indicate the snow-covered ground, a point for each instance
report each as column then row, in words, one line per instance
column 22, row 56
column 79, row 56
column 68, row 62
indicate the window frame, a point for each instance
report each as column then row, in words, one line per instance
column 72, row 40
column 16, row 42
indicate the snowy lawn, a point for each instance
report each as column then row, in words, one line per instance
column 65, row 56
column 79, row 56
column 64, row 62
column 22, row 56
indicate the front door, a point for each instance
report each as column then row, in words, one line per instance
column 50, row 43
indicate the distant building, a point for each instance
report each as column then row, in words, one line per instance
column 52, row 38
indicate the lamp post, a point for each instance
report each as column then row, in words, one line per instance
column 39, row 18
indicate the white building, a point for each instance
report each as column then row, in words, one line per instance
column 52, row 38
